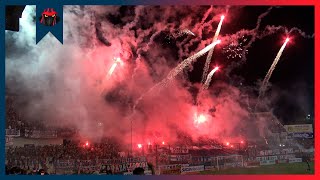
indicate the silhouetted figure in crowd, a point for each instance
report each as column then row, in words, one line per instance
column 138, row 171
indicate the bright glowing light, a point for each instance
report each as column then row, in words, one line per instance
column 139, row 146
column 231, row 146
column 200, row 119
column 222, row 17
column 162, row 142
column 288, row 39
column 227, row 143
column 87, row 143
column 218, row 41
column 149, row 143
column 241, row 142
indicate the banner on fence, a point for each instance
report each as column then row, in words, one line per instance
column 179, row 150
column 65, row 164
column 295, row 160
column 13, row 132
column 192, row 169
column 300, row 135
column 299, row 128
column 124, row 167
column 40, row 134
column 180, row 158
column 172, row 166
column 267, row 162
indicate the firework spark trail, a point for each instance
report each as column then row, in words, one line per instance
column 268, row 76
column 187, row 31
column 180, row 33
column 187, row 62
column 209, row 56
column 110, row 72
column 114, row 65
column 173, row 73
column 209, row 78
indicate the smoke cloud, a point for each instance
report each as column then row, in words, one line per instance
column 67, row 85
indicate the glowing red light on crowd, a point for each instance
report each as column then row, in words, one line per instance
column 139, row 146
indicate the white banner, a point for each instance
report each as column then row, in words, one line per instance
column 263, row 158
column 300, row 128
column 13, row 132
column 179, row 150
column 192, row 169
column 295, row 160
column 172, row 166
column 267, row 162
column 180, row 157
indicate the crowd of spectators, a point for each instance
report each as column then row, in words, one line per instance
column 32, row 157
